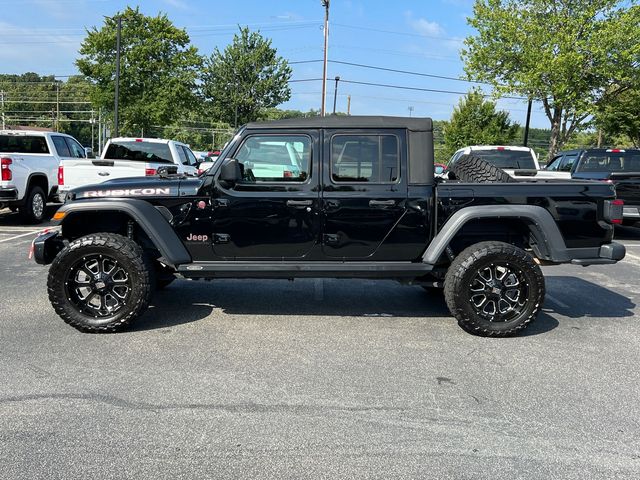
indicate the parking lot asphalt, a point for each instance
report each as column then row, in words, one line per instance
column 320, row 379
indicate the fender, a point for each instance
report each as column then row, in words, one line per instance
column 150, row 219
column 549, row 241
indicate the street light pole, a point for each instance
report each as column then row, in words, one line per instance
column 116, row 129
column 325, row 4
column 526, row 127
column 335, row 95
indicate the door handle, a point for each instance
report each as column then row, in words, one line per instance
column 104, row 174
column 299, row 203
column 382, row 203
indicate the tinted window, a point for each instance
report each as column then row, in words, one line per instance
column 23, row 144
column 139, row 151
column 365, row 158
column 275, row 158
column 555, row 163
column 76, row 149
column 567, row 162
column 610, row 162
column 61, row 147
column 507, row 158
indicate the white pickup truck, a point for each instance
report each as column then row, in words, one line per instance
column 126, row 157
column 29, row 163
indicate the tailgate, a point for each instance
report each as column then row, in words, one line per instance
column 79, row 172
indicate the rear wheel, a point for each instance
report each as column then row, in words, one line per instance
column 494, row 289
column 100, row 283
column 34, row 206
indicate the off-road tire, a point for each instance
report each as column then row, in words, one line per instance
column 467, row 266
column 469, row 168
column 35, row 206
column 128, row 254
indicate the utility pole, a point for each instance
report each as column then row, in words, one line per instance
column 93, row 121
column 348, row 104
column 325, row 4
column 115, row 110
column 2, row 104
column 57, row 107
column 410, row 110
column 335, row 95
column 526, row 126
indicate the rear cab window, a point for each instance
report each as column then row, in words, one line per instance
column 27, row 144
column 609, row 162
column 510, row 159
column 139, row 151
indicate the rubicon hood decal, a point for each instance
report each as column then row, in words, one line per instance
column 127, row 192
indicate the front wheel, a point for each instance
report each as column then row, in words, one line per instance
column 494, row 289
column 100, row 283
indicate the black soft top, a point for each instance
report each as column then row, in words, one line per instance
column 352, row 121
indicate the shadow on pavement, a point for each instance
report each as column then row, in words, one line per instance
column 13, row 219
column 577, row 298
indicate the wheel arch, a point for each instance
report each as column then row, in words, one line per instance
column 37, row 179
column 544, row 236
column 91, row 216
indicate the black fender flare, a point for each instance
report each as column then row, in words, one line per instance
column 549, row 242
column 148, row 217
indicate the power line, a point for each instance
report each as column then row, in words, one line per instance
column 394, row 32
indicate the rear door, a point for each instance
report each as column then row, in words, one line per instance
column 364, row 191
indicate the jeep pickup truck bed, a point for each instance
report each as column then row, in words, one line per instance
column 361, row 202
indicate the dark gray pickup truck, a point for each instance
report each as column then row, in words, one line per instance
column 342, row 197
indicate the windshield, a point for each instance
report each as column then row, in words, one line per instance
column 610, row 162
column 507, row 158
column 139, row 151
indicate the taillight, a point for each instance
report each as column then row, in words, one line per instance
column 613, row 211
column 287, row 174
column 60, row 175
column 500, row 149
column 6, row 171
column 149, row 172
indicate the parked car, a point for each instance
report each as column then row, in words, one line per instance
column 29, row 168
column 620, row 167
column 367, row 207
column 514, row 160
column 126, row 157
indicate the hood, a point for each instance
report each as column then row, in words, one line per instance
column 139, row 187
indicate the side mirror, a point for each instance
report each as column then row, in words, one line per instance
column 231, row 172
column 88, row 152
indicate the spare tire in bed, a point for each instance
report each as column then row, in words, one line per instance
column 469, row 168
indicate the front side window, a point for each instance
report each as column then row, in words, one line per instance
column 554, row 164
column 567, row 163
column 191, row 158
column 75, row 148
column 365, row 158
column 61, row 147
column 275, row 158
column 182, row 155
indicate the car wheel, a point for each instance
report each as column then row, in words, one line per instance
column 34, row 206
column 494, row 289
column 100, row 283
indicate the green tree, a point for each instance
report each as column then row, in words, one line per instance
column 245, row 79
column 569, row 54
column 475, row 121
column 621, row 116
column 159, row 70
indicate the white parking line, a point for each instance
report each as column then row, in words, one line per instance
column 19, row 236
column 630, row 255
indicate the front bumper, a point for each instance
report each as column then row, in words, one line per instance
column 46, row 246
column 608, row 254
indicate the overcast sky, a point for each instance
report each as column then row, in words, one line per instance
column 425, row 36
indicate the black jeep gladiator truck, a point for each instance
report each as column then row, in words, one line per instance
column 340, row 197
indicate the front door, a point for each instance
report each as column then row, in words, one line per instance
column 273, row 212
column 364, row 193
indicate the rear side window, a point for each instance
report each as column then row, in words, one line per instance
column 365, row 159
column 23, row 144
column 76, row 149
column 139, row 151
column 61, row 147
column 610, row 162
